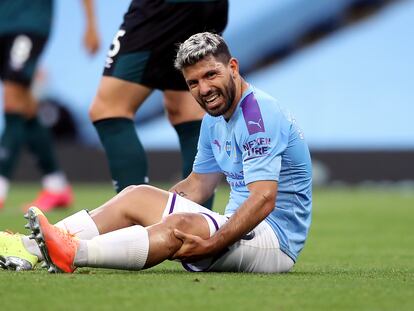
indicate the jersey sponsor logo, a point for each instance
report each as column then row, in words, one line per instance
column 234, row 175
column 217, row 143
column 252, row 115
column 257, row 147
column 228, row 147
column 237, row 183
column 235, row 179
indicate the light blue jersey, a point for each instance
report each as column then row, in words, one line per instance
column 262, row 142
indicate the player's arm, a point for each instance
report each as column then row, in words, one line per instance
column 254, row 210
column 91, row 39
column 198, row 187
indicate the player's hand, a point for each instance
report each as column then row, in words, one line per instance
column 91, row 40
column 194, row 248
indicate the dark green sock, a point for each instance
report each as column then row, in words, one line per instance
column 124, row 151
column 11, row 143
column 188, row 133
column 40, row 143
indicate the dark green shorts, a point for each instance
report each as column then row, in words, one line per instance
column 19, row 54
column 144, row 48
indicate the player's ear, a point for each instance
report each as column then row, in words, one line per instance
column 234, row 67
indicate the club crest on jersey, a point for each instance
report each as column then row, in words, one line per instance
column 228, row 147
column 252, row 115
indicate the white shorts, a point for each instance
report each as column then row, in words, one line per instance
column 257, row 251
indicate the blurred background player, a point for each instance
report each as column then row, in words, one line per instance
column 141, row 59
column 24, row 30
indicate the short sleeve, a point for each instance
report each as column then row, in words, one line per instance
column 264, row 137
column 205, row 161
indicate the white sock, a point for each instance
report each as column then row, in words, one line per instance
column 125, row 249
column 79, row 224
column 54, row 182
column 4, row 187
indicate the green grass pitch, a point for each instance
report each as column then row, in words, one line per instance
column 359, row 256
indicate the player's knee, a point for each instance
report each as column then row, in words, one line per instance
column 182, row 107
column 137, row 195
column 136, row 190
column 17, row 98
column 172, row 109
column 98, row 107
column 130, row 189
column 140, row 193
column 107, row 104
column 180, row 221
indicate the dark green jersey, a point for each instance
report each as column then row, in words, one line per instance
column 33, row 16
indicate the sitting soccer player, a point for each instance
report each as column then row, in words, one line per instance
column 245, row 136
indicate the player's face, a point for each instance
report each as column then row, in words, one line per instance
column 211, row 83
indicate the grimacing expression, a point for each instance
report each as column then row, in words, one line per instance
column 212, row 85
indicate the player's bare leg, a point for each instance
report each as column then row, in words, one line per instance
column 112, row 113
column 130, row 245
column 117, row 98
column 18, row 99
column 23, row 127
column 162, row 241
column 135, row 205
column 181, row 107
column 131, row 206
column 15, row 98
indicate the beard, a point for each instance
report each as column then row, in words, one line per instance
column 228, row 93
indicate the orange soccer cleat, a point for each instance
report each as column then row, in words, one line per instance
column 47, row 200
column 57, row 245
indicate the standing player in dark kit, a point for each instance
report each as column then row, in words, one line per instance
column 141, row 59
column 24, row 31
